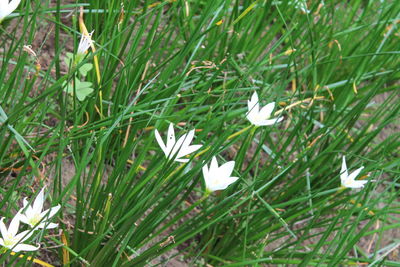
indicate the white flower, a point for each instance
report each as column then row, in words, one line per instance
column 7, row 8
column 11, row 240
column 218, row 178
column 302, row 5
column 260, row 117
column 84, row 44
column 349, row 180
column 35, row 217
column 177, row 149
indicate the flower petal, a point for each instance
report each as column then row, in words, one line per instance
column 226, row 169
column 14, row 225
column 7, row 8
column 253, row 107
column 13, row 5
column 24, row 219
column 188, row 150
column 206, row 174
column 38, row 203
column 177, row 146
column 343, row 172
column 170, row 138
column 85, row 43
column 266, row 111
column 51, row 213
column 188, row 139
column 251, row 104
column 24, row 235
column 47, row 225
column 29, row 211
column 24, row 247
column 161, row 142
column 223, row 183
column 181, row 160
column 357, row 184
column 3, row 228
column 252, row 117
column 213, row 165
column 25, row 203
column 269, row 122
column 354, row 174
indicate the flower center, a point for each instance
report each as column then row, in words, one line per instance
column 10, row 240
column 35, row 219
column 262, row 117
column 216, row 181
column 347, row 183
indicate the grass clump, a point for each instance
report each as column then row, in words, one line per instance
column 264, row 99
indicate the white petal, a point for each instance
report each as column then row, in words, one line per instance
column 206, row 174
column 353, row 175
column 24, row 219
column 161, row 142
column 19, row 212
column 7, row 8
column 266, row 111
column 24, row 247
column 38, row 203
column 170, row 138
column 343, row 172
column 188, row 150
column 253, row 101
column 188, row 139
column 3, row 12
column 253, row 108
column 213, row 165
column 25, row 203
column 24, row 235
column 181, row 160
column 3, row 228
column 54, row 210
column 269, row 122
column 13, row 5
column 29, row 211
column 48, row 225
column 177, row 146
column 357, row 184
column 223, row 184
column 14, row 225
column 85, row 43
column 47, row 214
column 253, row 118
column 226, row 169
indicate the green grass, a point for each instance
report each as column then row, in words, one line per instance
column 195, row 64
